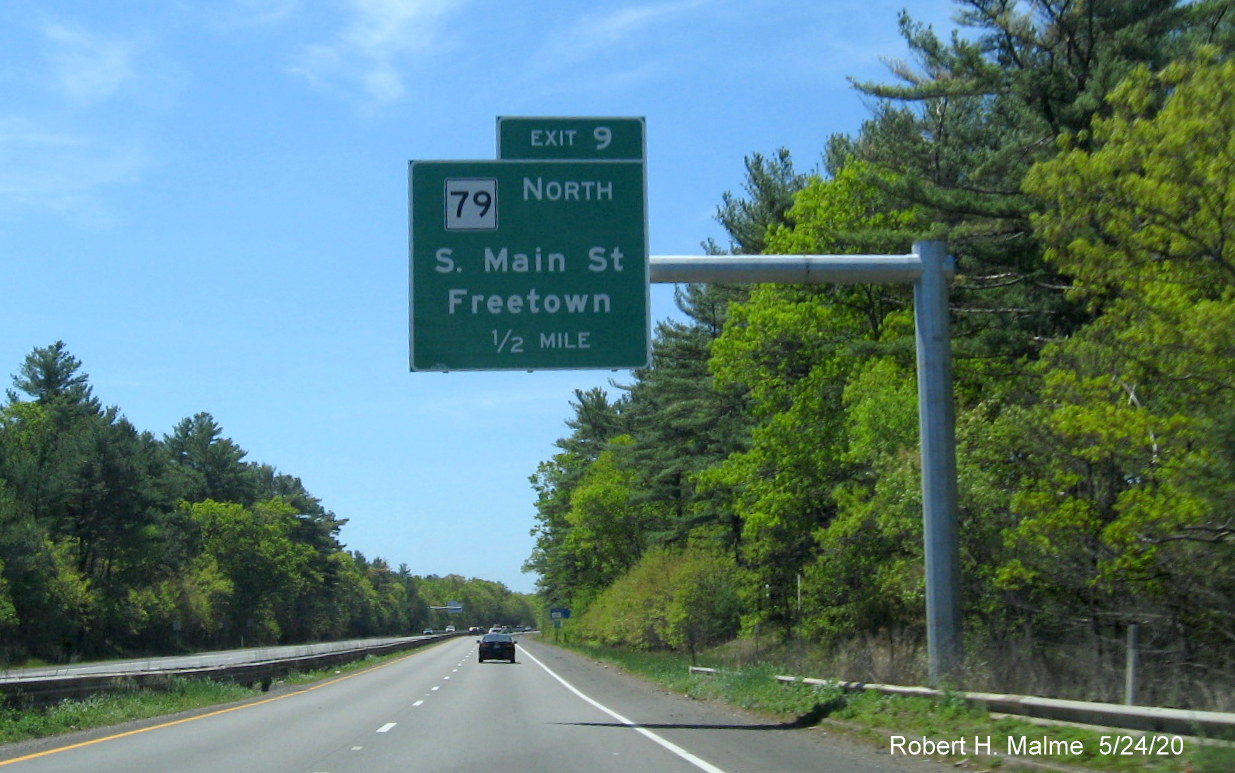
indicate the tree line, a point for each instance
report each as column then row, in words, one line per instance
column 114, row 541
column 762, row 474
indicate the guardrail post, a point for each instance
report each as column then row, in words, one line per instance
column 1132, row 663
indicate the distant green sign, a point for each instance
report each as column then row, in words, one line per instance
column 596, row 139
column 528, row 265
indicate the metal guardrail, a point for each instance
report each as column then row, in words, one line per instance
column 41, row 689
column 1153, row 719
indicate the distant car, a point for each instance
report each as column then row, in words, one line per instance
column 428, row 632
column 496, row 646
column 475, row 629
column 450, row 629
column 496, row 629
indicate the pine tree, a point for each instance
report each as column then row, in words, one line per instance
column 214, row 462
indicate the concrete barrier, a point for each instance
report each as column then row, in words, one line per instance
column 45, row 689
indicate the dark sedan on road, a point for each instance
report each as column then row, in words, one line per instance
column 496, row 646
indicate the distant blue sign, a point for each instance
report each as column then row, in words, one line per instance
column 559, row 613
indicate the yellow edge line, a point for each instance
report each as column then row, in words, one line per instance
column 57, row 750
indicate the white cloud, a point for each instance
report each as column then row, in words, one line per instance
column 88, row 68
column 595, row 33
column 47, row 170
column 73, row 132
column 249, row 13
column 368, row 53
column 600, row 34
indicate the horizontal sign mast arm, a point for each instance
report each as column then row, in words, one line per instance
column 792, row 269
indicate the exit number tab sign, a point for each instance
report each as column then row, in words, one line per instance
column 593, row 139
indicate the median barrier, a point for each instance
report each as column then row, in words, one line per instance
column 46, row 689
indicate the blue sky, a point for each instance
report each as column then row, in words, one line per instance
column 207, row 202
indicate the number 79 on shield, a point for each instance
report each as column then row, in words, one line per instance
column 470, row 204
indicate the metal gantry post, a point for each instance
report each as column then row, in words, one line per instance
column 937, row 439
column 928, row 268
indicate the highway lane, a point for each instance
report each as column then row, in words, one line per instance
column 438, row 709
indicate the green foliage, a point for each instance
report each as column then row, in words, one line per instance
column 847, row 213
column 607, row 522
column 867, row 573
column 485, row 603
column 557, row 569
column 212, row 462
column 49, row 374
column 1150, row 207
column 1077, row 158
column 956, row 136
column 672, row 599
column 1137, row 404
column 771, row 185
column 255, row 552
column 795, row 349
column 115, row 542
column 683, row 422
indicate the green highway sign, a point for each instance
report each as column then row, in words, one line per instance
column 596, row 139
column 528, row 265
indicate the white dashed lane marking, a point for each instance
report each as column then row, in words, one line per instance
column 386, row 728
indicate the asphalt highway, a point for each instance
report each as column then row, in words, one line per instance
column 438, row 709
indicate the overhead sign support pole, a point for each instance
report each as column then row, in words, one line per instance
column 937, row 440
column 928, row 268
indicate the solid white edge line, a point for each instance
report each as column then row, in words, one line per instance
column 678, row 750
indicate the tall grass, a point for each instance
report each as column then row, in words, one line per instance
column 1080, row 670
column 112, row 708
column 176, row 695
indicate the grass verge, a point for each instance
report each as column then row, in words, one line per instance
column 113, row 708
column 879, row 718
